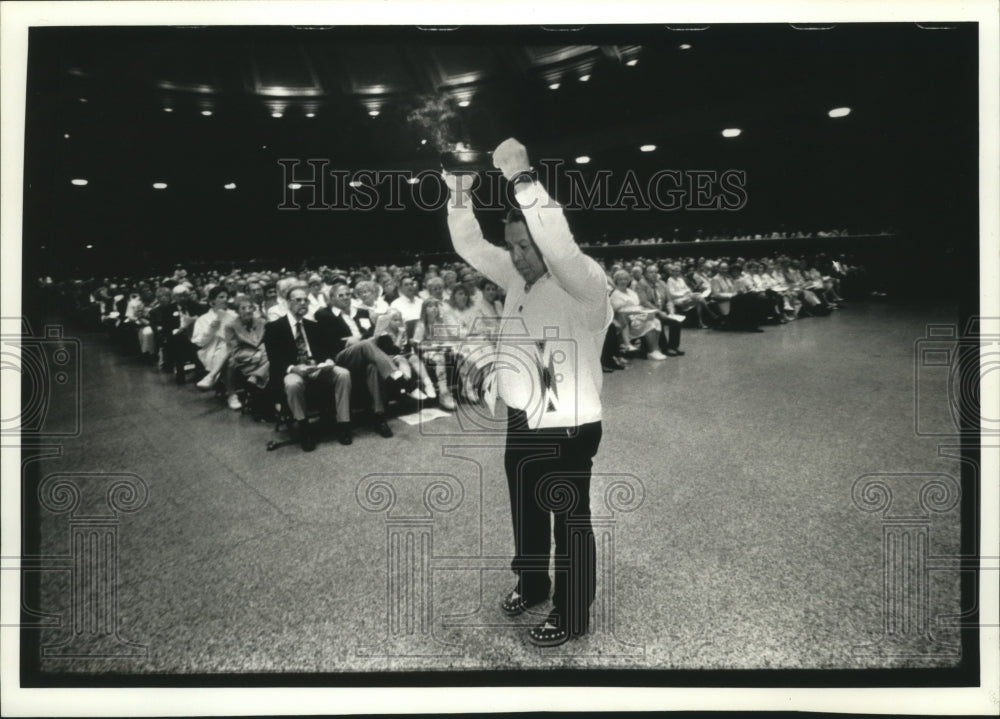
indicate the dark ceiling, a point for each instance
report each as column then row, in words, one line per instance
column 904, row 158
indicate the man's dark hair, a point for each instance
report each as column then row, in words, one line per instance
column 215, row 292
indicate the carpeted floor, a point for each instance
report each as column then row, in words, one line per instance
column 728, row 533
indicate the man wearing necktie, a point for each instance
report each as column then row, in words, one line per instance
column 557, row 311
column 300, row 359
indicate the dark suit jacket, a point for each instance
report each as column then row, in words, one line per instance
column 336, row 329
column 281, row 351
column 644, row 291
column 164, row 319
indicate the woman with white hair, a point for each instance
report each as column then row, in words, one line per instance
column 635, row 321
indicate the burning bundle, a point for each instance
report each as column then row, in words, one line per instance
column 439, row 119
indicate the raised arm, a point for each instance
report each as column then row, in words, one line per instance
column 467, row 236
column 579, row 275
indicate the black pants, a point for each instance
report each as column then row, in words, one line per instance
column 670, row 337
column 548, row 473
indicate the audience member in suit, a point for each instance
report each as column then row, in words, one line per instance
column 732, row 304
column 652, row 293
column 300, row 357
column 175, row 323
column 357, row 352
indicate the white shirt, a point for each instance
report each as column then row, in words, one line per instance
column 554, row 329
column 410, row 309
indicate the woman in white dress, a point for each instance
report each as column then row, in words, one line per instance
column 636, row 323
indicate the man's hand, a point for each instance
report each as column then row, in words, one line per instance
column 306, row 371
column 511, row 158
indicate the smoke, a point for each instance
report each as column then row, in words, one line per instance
column 438, row 118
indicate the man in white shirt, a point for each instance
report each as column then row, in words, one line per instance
column 557, row 307
column 408, row 303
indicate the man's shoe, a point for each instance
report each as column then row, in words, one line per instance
column 382, row 428
column 514, row 604
column 674, row 353
column 234, row 403
column 344, row 435
column 395, row 388
column 305, row 436
column 656, row 355
column 552, row 632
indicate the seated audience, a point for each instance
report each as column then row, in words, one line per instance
column 248, row 356
column 209, row 335
column 300, row 358
column 175, row 324
column 636, row 323
column 653, row 295
column 370, row 367
column 366, row 297
column 685, row 299
column 463, row 321
column 408, row 303
column 433, row 342
column 390, row 337
column 733, row 306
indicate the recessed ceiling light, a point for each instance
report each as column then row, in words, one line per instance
column 168, row 109
column 159, row 185
column 839, row 112
column 79, row 182
column 276, row 113
column 685, row 46
column 66, row 135
column 206, row 113
column 373, row 113
column 230, row 186
column 310, row 114
column 294, row 186
column 83, row 99
column 464, row 103
column 584, row 78
column 582, row 160
column 553, row 85
column 423, row 142
column 633, row 62
column 647, row 148
column 731, row 132
column 90, row 247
